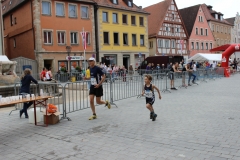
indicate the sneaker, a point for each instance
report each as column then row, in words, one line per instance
column 189, row 85
column 154, row 117
column 108, row 105
column 93, row 117
column 175, row 88
column 151, row 116
column 20, row 112
column 194, row 82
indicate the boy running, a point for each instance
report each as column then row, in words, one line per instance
column 149, row 94
column 96, row 90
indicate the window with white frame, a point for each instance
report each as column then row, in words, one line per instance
column 60, row 9
column 88, row 40
column 47, row 37
column 129, row 3
column 61, row 37
column 46, row 8
column 142, row 43
column 202, row 45
column 211, row 46
column 196, row 31
column 72, row 10
column 201, row 32
column 173, row 43
column 192, row 46
column 206, row 32
column 160, row 43
column 197, row 45
column 134, row 39
column 115, row 2
column 74, row 37
column 167, row 43
column 213, row 28
column 84, row 12
column 206, row 46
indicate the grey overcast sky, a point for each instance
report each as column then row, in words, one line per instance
column 228, row 7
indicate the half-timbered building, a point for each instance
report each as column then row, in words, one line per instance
column 167, row 33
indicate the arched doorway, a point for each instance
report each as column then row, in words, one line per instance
column 228, row 50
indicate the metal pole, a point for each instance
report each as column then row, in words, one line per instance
column 2, row 50
column 84, row 61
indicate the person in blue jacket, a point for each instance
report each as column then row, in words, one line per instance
column 26, row 80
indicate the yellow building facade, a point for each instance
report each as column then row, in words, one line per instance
column 123, row 34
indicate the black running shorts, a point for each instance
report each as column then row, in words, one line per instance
column 98, row 92
column 150, row 100
column 171, row 76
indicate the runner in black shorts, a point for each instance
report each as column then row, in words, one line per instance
column 150, row 97
column 96, row 90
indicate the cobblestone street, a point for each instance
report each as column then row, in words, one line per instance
column 201, row 122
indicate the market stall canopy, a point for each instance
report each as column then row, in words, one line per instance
column 200, row 57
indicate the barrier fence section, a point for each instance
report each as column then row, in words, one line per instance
column 74, row 96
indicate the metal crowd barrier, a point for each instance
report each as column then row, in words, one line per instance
column 73, row 96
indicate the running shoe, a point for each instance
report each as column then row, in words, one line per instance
column 151, row 116
column 108, row 105
column 175, row 88
column 93, row 117
column 154, row 117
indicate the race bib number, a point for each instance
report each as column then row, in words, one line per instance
column 148, row 93
column 93, row 81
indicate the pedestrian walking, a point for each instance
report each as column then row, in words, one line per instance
column 96, row 89
column 26, row 80
column 150, row 97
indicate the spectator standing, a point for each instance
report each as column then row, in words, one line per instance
column 43, row 74
column 173, row 70
column 131, row 71
column 26, row 80
column 158, row 68
column 190, row 74
column 88, row 77
column 163, row 66
column 194, row 67
column 152, row 66
column 48, row 76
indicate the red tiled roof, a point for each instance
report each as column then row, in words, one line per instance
column 121, row 5
column 157, row 15
column 8, row 5
column 209, row 16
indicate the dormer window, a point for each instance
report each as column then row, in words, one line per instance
column 221, row 17
column 129, row 4
column 115, row 1
column 216, row 16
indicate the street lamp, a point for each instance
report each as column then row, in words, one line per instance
column 69, row 48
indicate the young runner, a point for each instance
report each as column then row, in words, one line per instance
column 150, row 97
column 96, row 90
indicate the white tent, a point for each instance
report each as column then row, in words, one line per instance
column 200, row 57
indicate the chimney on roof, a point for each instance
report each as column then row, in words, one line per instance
column 209, row 7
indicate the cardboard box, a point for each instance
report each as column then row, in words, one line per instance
column 51, row 118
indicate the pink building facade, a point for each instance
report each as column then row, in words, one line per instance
column 201, row 39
